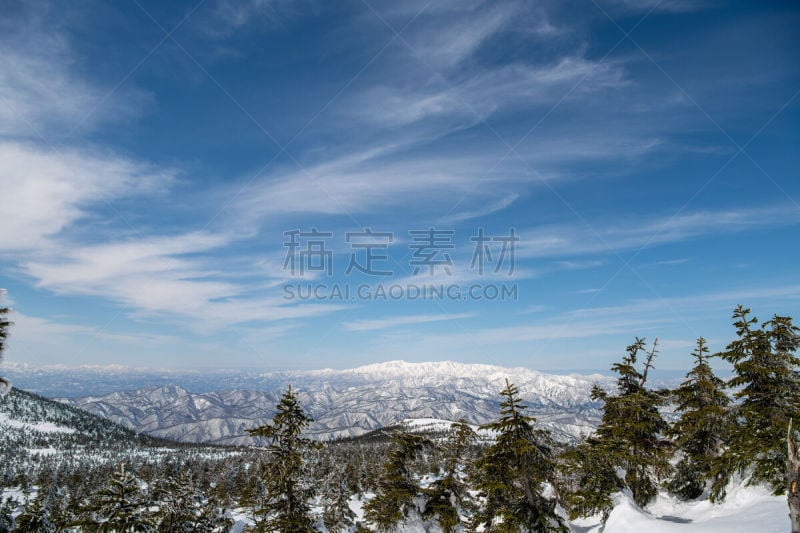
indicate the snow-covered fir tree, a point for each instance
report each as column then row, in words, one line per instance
column 61, row 506
column 630, row 434
column 766, row 382
column 36, row 516
column 702, row 404
column 7, row 508
column 120, row 506
column 515, row 476
column 448, row 498
column 337, row 515
column 590, row 479
column 397, row 488
column 178, row 502
column 285, row 506
column 213, row 518
column 183, row 507
column 5, row 324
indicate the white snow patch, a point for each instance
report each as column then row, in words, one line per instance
column 45, row 427
column 746, row 509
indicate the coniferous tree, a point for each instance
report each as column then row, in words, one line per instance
column 213, row 518
column 397, row 489
column 7, row 508
column 179, row 503
column 591, row 479
column 61, row 507
column 702, row 404
column 286, row 505
column 512, row 474
column 767, row 384
column 336, row 514
column 5, row 324
column 448, row 498
column 36, row 516
column 631, row 428
column 121, row 506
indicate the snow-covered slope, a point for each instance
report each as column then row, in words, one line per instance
column 746, row 509
column 352, row 402
column 31, row 425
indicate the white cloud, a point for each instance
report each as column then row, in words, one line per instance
column 37, row 340
column 41, row 93
column 587, row 143
column 163, row 277
column 646, row 316
column 444, row 34
column 53, row 192
column 708, row 302
column 104, row 263
column 234, row 14
column 461, row 38
column 29, row 330
column 481, row 95
column 668, row 6
column 46, row 191
column 366, row 182
column 578, row 239
column 481, row 211
column 531, row 309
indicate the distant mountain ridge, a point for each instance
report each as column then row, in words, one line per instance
column 352, row 402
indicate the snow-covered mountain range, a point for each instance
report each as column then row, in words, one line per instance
column 352, row 402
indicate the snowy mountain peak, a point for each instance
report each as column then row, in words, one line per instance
column 435, row 371
column 448, row 368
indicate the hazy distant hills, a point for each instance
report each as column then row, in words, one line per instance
column 348, row 402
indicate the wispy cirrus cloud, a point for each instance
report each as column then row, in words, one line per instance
column 668, row 6
column 230, row 15
column 67, row 341
column 370, row 180
column 55, row 191
column 45, row 190
column 30, row 331
column 600, row 238
column 651, row 317
column 461, row 36
column 484, row 93
column 392, row 132
column 165, row 277
column 42, row 93
column 723, row 300
column 51, row 177
column 480, row 211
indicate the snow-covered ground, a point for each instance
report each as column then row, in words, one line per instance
column 746, row 509
column 45, row 427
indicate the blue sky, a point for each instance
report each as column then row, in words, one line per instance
column 154, row 154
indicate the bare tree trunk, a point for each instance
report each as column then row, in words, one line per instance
column 649, row 362
column 793, row 478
